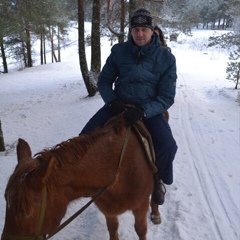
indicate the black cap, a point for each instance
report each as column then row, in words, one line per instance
column 141, row 18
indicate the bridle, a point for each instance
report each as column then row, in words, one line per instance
column 37, row 235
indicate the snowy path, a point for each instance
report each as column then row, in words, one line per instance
column 210, row 155
column 203, row 202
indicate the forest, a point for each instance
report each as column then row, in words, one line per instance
column 25, row 22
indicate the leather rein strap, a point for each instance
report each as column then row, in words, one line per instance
column 64, row 224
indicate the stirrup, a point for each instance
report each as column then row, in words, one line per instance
column 158, row 195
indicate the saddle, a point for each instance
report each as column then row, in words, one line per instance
column 146, row 141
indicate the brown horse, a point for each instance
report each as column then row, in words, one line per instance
column 79, row 167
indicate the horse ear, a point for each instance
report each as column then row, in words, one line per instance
column 24, row 153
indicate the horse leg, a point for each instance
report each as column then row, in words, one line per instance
column 155, row 214
column 112, row 225
column 140, row 225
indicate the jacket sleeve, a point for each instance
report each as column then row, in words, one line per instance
column 107, row 78
column 165, row 92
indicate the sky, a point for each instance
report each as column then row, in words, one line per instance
column 48, row 104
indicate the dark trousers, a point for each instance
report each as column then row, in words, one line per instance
column 163, row 142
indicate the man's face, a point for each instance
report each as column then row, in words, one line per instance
column 142, row 35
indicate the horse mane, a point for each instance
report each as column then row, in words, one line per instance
column 17, row 191
column 78, row 146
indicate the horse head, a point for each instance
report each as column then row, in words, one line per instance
column 26, row 197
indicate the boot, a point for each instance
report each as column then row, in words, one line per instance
column 158, row 191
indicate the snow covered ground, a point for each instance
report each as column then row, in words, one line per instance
column 46, row 105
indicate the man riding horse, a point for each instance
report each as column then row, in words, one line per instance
column 144, row 77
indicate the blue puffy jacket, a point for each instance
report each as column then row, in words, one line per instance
column 143, row 76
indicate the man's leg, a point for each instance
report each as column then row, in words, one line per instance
column 98, row 119
column 165, row 149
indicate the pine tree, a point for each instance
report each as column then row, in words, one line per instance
column 233, row 67
column 230, row 40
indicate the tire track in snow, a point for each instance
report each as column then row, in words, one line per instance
column 210, row 184
column 193, row 149
column 204, row 177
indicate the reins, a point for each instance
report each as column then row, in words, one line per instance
column 69, row 220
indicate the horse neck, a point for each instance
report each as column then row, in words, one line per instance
column 92, row 171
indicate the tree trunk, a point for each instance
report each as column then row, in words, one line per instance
column 224, row 24
column 42, row 45
column 59, row 48
column 44, row 49
column 91, row 87
column 41, row 48
column 52, row 45
column 122, row 22
column 5, row 68
column 95, row 39
column 132, row 9
column 219, row 23
column 29, row 54
column 238, row 76
column 2, row 145
column 24, row 54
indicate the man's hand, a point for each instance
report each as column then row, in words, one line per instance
column 117, row 107
column 133, row 114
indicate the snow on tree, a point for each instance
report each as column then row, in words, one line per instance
column 230, row 40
